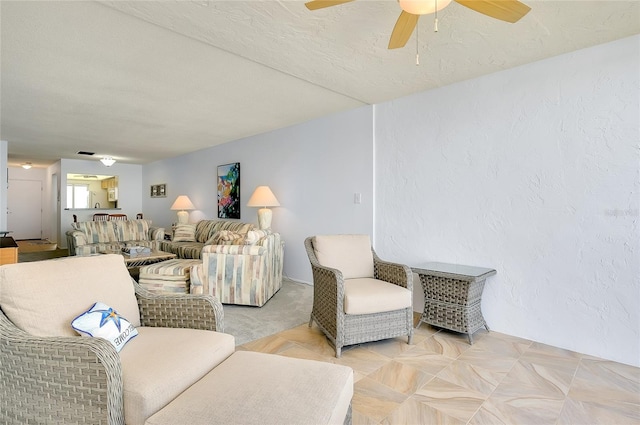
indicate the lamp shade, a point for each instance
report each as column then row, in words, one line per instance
column 182, row 203
column 263, row 197
column 423, row 7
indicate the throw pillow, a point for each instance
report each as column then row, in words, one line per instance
column 253, row 236
column 184, row 233
column 226, row 237
column 102, row 321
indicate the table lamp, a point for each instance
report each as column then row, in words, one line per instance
column 263, row 197
column 183, row 203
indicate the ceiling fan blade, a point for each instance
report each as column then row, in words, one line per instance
column 403, row 30
column 505, row 10
column 321, row 4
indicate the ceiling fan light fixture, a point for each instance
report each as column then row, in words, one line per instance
column 108, row 161
column 423, row 7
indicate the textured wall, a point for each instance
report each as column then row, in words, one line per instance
column 532, row 171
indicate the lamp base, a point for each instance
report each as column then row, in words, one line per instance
column 264, row 218
column 183, row 217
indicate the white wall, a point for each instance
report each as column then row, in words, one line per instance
column 313, row 169
column 4, row 145
column 130, row 189
column 532, row 171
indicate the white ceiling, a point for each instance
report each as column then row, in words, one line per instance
column 147, row 80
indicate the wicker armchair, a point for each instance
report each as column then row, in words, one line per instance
column 344, row 329
column 62, row 380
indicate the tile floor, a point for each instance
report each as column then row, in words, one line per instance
column 500, row 379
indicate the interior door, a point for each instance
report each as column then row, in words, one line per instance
column 24, row 209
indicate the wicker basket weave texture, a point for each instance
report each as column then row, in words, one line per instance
column 64, row 380
column 342, row 329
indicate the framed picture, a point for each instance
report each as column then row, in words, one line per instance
column 159, row 191
column 229, row 190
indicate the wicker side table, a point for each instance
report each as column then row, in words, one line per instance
column 453, row 296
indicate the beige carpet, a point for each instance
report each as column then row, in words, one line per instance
column 289, row 307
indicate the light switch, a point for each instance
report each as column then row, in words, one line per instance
column 357, row 198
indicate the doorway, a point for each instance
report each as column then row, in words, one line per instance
column 24, row 209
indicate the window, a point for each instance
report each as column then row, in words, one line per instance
column 78, row 196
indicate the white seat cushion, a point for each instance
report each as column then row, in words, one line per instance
column 264, row 389
column 160, row 363
column 351, row 254
column 366, row 296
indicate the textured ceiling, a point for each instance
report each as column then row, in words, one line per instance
column 147, row 80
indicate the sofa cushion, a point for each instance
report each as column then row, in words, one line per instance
column 226, row 237
column 266, row 389
column 160, row 363
column 102, row 321
column 207, row 228
column 184, row 233
column 184, row 250
column 254, row 236
column 351, row 254
column 132, row 230
column 97, row 231
column 43, row 297
column 367, row 295
column 98, row 248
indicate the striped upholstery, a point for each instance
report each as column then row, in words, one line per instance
column 240, row 274
column 171, row 276
column 97, row 231
column 93, row 237
column 132, row 230
column 205, row 229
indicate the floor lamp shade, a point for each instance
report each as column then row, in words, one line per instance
column 263, row 197
column 183, row 204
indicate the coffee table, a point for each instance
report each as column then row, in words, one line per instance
column 146, row 259
column 134, row 262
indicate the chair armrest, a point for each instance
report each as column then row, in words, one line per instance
column 179, row 310
column 58, row 379
column 75, row 238
column 156, row 233
column 328, row 285
column 395, row 273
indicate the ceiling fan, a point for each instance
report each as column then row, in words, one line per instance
column 504, row 10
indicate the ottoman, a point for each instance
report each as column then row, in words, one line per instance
column 170, row 276
column 264, row 389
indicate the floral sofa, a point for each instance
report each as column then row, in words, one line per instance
column 240, row 264
column 93, row 237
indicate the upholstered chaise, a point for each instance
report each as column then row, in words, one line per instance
column 50, row 374
column 178, row 369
